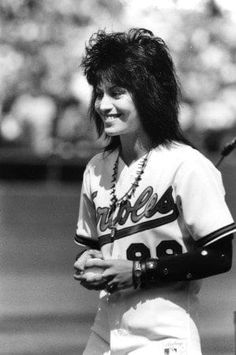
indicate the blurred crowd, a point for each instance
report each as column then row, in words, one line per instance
column 44, row 96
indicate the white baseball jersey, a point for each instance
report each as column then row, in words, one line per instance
column 178, row 206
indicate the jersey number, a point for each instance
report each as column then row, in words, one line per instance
column 139, row 251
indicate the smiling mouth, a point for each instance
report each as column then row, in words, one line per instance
column 111, row 117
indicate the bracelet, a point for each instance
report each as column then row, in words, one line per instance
column 137, row 274
column 143, row 275
column 151, row 271
column 149, row 275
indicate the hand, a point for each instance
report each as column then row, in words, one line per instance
column 117, row 273
column 81, row 261
column 89, row 282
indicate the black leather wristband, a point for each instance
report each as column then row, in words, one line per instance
column 196, row 264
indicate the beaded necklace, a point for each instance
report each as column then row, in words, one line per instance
column 115, row 202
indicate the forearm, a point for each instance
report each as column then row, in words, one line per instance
column 200, row 263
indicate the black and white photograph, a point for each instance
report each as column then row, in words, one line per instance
column 117, row 177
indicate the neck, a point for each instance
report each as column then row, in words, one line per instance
column 133, row 148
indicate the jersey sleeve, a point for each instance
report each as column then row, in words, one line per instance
column 200, row 197
column 86, row 232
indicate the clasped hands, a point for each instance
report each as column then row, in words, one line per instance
column 115, row 274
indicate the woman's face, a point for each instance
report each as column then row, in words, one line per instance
column 116, row 108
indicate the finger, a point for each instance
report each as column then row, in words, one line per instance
column 96, row 263
column 95, row 253
column 88, row 279
column 107, row 274
column 80, row 263
column 78, row 276
column 79, row 266
column 93, row 277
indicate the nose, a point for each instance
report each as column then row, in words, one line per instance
column 105, row 104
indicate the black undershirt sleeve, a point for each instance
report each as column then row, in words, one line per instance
column 202, row 262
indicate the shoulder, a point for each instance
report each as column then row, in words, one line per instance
column 181, row 160
column 193, row 159
column 193, row 168
column 180, row 154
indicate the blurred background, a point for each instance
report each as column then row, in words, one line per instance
column 46, row 139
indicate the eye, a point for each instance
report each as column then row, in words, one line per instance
column 116, row 92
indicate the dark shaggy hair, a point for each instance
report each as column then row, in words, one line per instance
column 139, row 62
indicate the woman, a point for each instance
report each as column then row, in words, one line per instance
column 152, row 216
